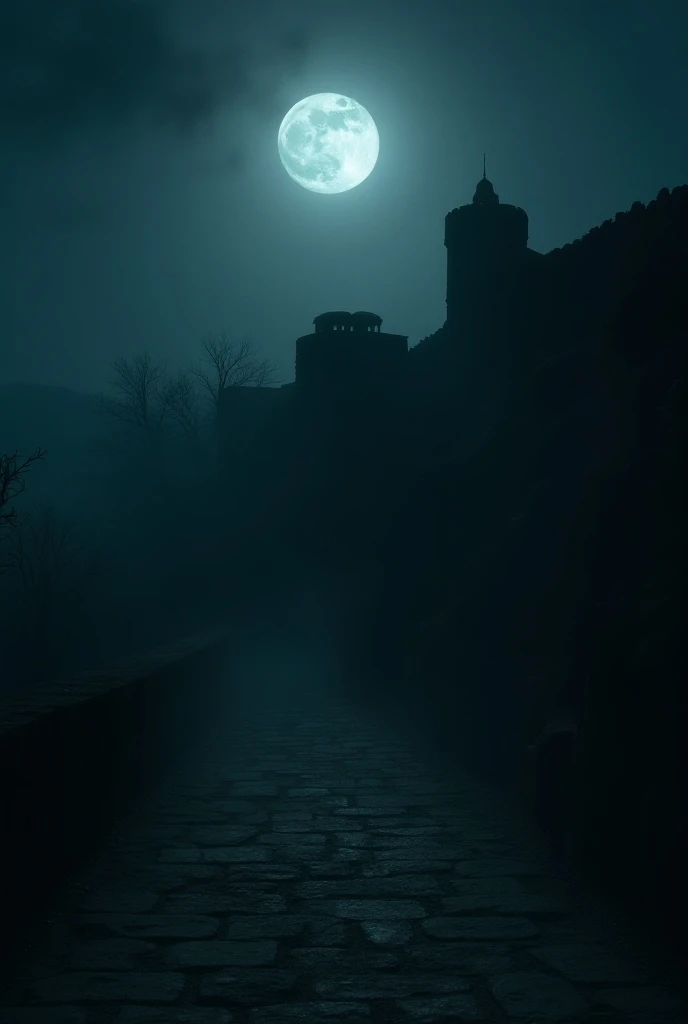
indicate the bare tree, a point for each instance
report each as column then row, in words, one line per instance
column 12, row 483
column 229, row 364
column 139, row 397
column 183, row 403
column 151, row 404
column 44, row 546
column 54, row 597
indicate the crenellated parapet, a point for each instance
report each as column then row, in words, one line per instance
column 624, row 280
column 657, row 222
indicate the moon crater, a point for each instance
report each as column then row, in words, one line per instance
column 328, row 143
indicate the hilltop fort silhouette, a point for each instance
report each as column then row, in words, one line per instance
column 360, row 395
column 499, row 512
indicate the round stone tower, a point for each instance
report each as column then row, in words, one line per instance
column 348, row 352
column 487, row 243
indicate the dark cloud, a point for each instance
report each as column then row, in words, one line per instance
column 79, row 65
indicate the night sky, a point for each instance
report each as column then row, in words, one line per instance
column 144, row 203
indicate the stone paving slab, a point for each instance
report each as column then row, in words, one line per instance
column 314, row 868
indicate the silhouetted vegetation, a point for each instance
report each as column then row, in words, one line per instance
column 125, row 546
column 13, row 470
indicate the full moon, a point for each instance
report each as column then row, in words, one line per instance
column 328, row 143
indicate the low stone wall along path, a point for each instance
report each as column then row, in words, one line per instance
column 313, row 866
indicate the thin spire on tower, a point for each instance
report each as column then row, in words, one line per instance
column 484, row 174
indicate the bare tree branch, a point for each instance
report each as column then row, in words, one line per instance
column 45, row 545
column 145, row 399
column 54, row 585
column 229, row 364
column 139, row 397
column 12, row 483
column 183, row 403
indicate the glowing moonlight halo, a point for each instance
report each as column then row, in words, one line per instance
column 328, row 143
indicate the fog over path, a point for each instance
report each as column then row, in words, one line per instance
column 312, row 863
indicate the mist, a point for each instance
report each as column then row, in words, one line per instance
column 342, row 536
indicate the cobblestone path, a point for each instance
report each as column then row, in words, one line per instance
column 320, row 871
